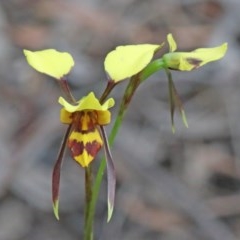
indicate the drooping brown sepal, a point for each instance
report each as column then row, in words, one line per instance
column 111, row 174
column 56, row 174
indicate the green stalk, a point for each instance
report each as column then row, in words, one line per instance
column 152, row 68
column 88, row 197
column 98, row 180
column 90, row 192
column 132, row 86
column 135, row 81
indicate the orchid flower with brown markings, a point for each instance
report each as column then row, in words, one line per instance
column 86, row 118
column 85, row 137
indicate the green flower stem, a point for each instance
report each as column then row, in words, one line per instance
column 98, row 180
column 90, row 191
column 88, row 197
column 152, row 68
column 129, row 92
column 135, row 81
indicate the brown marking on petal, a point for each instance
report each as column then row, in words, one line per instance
column 195, row 62
column 75, row 147
column 85, row 121
column 92, row 148
column 92, row 116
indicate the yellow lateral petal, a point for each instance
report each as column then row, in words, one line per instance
column 65, row 116
column 126, row 61
column 51, row 62
column 103, row 117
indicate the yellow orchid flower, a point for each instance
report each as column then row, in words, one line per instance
column 85, row 137
column 126, row 61
column 50, row 61
column 187, row 61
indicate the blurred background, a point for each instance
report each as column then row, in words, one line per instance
column 170, row 187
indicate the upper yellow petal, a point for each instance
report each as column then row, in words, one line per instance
column 126, row 61
column 89, row 102
column 51, row 62
column 187, row 61
column 171, row 42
